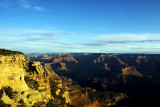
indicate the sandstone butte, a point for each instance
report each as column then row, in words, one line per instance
column 26, row 83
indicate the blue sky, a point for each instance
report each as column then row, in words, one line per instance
column 103, row 26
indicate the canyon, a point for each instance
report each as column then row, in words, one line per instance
column 134, row 78
column 79, row 79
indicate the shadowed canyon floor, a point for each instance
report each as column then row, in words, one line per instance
column 111, row 79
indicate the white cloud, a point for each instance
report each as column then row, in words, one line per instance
column 25, row 6
column 38, row 8
column 49, row 33
column 48, row 41
column 127, row 37
column 5, row 4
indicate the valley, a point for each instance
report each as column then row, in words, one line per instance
column 127, row 79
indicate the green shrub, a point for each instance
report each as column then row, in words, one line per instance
column 53, row 86
column 8, row 52
column 31, row 83
column 2, row 104
column 58, row 98
column 22, row 92
column 21, row 103
column 39, row 104
column 1, row 93
column 51, row 104
column 9, row 92
column 28, row 95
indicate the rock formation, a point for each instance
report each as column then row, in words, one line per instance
column 26, row 83
column 134, row 75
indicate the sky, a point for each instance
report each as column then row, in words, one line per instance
column 96, row 26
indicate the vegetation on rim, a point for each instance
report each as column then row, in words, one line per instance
column 8, row 52
column 31, row 83
column 9, row 91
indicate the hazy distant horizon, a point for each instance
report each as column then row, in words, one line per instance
column 81, row 26
column 87, row 53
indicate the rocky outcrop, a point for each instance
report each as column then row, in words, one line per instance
column 30, row 86
column 79, row 99
column 141, row 59
column 26, row 83
column 131, row 71
column 68, row 58
column 99, row 59
column 131, row 75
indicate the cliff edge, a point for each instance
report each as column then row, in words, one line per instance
column 26, row 83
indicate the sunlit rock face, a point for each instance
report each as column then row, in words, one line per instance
column 12, row 71
column 68, row 58
column 26, row 83
column 131, row 71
